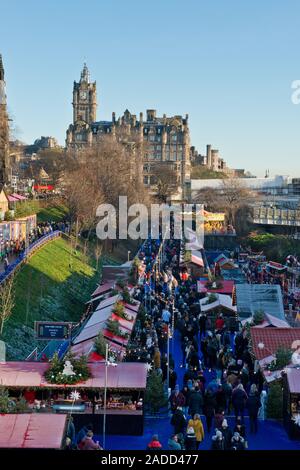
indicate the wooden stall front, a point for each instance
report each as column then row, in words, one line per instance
column 126, row 384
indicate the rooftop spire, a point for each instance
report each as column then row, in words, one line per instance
column 85, row 74
column 1, row 69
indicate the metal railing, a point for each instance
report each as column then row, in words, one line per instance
column 28, row 253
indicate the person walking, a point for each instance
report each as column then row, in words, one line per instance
column 239, row 398
column 197, row 425
column 178, row 420
column 227, row 434
column 253, row 404
column 195, row 402
column 209, row 408
column 190, row 441
column 217, row 441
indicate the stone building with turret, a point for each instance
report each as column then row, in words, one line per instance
column 4, row 130
column 162, row 141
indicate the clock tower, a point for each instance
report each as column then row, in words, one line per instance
column 84, row 99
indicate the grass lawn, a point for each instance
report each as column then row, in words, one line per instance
column 54, row 213
column 53, row 285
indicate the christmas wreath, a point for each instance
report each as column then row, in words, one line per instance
column 69, row 370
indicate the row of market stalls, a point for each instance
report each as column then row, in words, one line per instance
column 265, row 344
column 124, row 383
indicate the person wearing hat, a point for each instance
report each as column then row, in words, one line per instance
column 190, row 441
column 227, row 434
column 154, row 444
column 197, row 425
column 217, row 441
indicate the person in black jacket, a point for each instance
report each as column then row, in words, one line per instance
column 239, row 398
column 253, row 404
column 209, row 408
column 190, row 442
column 217, row 441
column 240, row 428
column 178, row 420
column 227, row 434
column 195, row 402
column 202, row 324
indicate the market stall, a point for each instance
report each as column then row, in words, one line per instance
column 291, row 402
column 126, row 384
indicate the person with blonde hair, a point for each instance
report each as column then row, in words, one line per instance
column 190, row 441
column 197, row 425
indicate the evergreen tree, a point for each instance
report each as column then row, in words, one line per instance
column 275, row 401
column 155, row 396
column 100, row 344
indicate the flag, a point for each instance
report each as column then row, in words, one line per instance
column 194, row 240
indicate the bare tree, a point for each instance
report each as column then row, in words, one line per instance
column 97, row 251
column 100, row 174
column 230, row 196
column 7, row 300
column 166, row 180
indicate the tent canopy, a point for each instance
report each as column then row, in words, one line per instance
column 127, row 375
column 253, row 297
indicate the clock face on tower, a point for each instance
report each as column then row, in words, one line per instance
column 83, row 95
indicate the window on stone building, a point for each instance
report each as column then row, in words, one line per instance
column 174, row 138
column 146, row 179
column 152, row 138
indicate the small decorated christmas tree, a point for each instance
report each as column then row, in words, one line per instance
column 155, row 396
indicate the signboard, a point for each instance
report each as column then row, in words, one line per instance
column 53, row 330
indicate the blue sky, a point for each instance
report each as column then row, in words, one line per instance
column 228, row 64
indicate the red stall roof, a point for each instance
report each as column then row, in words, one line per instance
column 266, row 341
column 127, row 375
column 32, row 430
column 103, row 288
column 118, row 339
column 128, row 325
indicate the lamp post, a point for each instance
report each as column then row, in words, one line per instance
column 107, row 364
column 128, row 255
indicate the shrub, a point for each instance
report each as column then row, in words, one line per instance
column 275, row 401
column 282, row 358
column 258, row 317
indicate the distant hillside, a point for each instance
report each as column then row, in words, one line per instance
column 54, row 285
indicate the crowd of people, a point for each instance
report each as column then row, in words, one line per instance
column 13, row 248
column 220, row 374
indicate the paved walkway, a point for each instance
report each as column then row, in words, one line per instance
column 271, row 434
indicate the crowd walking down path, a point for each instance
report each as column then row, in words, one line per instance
column 216, row 390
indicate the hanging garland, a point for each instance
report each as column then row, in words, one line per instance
column 58, row 370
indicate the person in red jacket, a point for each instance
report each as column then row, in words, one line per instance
column 220, row 323
column 154, row 444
